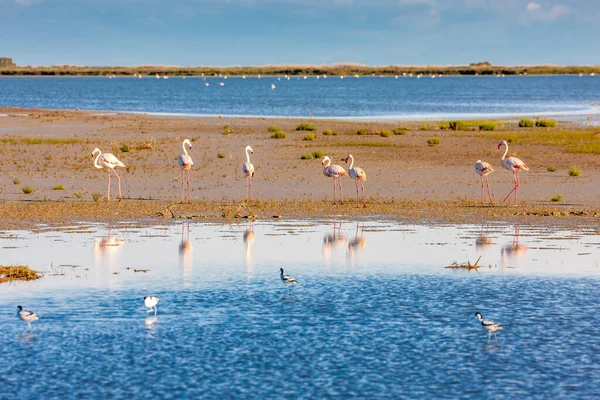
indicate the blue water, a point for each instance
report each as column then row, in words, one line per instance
column 361, row 323
column 367, row 97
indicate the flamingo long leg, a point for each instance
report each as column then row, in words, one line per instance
column 188, row 183
column 514, row 188
column 341, row 194
column 119, row 179
column 481, row 177
column 182, row 182
column 363, row 194
column 357, row 202
column 246, row 188
column 108, row 190
column 489, row 190
column 333, row 190
column 250, row 187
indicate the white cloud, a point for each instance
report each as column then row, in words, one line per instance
column 538, row 13
column 533, row 6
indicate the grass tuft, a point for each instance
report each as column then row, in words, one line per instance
column 433, row 141
column 306, row 127
column 574, row 171
column 78, row 194
column 58, row 187
column 125, row 148
column 362, row 131
column 309, row 136
column 456, row 125
column 551, row 168
column 27, row 189
column 220, row 155
column 226, row 130
column 385, row 133
column 306, row 157
column 556, row 198
column 488, row 126
column 526, row 123
column 96, row 196
column 363, row 144
column 17, row 273
column 317, row 154
column 16, row 181
column 400, row 131
column 329, row 132
column 278, row 135
column 273, row 128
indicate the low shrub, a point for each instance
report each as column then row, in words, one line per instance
column 27, row 189
column 306, row 157
column 400, row 131
column 96, row 196
column 545, row 123
column 125, row 148
column 278, row 135
column 362, row 131
column 220, row 155
column 16, row 181
column 78, row 195
column 226, row 130
column 385, row 133
column 574, row 171
column 309, row 136
column 551, row 168
column 273, row 128
column 329, row 132
column 58, row 187
column 526, row 123
column 556, row 198
column 306, row 127
column 433, row 141
column 317, row 154
column 488, row 126
column 456, row 125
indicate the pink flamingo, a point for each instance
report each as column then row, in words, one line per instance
column 359, row 175
column 185, row 163
column 484, row 169
column 335, row 172
column 108, row 160
column 248, row 170
column 512, row 164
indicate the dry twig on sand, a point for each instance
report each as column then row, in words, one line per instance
column 467, row 266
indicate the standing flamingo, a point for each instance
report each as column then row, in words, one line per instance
column 108, row 160
column 484, row 169
column 512, row 164
column 185, row 163
column 359, row 175
column 335, row 172
column 248, row 170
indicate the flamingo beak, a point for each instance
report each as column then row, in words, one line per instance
column 499, row 144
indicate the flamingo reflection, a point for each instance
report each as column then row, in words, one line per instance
column 333, row 240
column 105, row 250
column 358, row 243
column 185, row 253
column 511, row 252
column 249, row 242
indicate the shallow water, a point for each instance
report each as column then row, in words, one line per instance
column 371, row 98
column 375, row 312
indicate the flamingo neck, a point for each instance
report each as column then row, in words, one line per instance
column 184, row 149
column 351, row 161
column 96, row 161
column 247, row 156
column 505, row 150
column 327, row 163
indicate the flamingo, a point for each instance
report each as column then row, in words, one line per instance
column 484, row 169
column 108, row 160
column 185, row 163
column 512, row 164
column 359, row 175
column 248, row 170
column 335, row 172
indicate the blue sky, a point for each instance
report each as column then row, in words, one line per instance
column 259, row 32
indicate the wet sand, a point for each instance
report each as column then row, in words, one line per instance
column 407, row 179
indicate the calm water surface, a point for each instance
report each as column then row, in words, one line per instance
column 368, row 97
column 374, row 314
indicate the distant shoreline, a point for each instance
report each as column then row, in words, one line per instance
column 299, row 70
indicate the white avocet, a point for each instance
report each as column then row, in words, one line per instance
column 27, row 316
column 489, row 326
column 287, row 279
column 151, row 302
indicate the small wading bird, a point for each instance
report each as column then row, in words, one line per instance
column 335, row 172
column 484, row 169
column 359, row 175
column 514, row 165
column 489, row 326
column 248, row 170
column 288, row 280
column 185, row 163
column 26, row 316
column 150, row 302
column 109, row 161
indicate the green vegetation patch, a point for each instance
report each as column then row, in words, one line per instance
column 17, row 273
column 545, row 123
column 309, row 136
column 574, row 171
column 306, row 127
column 526, row 123
column 433, row 141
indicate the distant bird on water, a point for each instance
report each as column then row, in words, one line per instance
column 483, row 169
column 185, row 163
column 26, row 316
column 109, row 161
column 248, row 170
column 514, row 165
column 287, row 279
column 150, row 302
column 272, row 86
column 335, row 172
column 359, row 175
column 489, row 326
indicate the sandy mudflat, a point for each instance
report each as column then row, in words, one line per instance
column 407, row 179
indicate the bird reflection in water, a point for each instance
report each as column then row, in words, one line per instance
column 511, row 252
column 333, row 240
column 106, row 249
column 185, row 253
column 358, row 243
column 483, row 242
column 249, row 243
